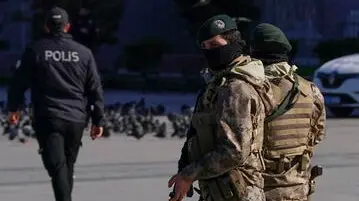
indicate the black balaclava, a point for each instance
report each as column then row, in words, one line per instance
column 219, row 58
column 269, row 58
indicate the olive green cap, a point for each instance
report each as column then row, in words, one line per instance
column 214, row 26
column 267, row 37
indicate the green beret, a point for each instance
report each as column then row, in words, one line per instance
column 214, row 26
column 267, row 37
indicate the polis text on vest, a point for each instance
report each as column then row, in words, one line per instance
column 64, row 56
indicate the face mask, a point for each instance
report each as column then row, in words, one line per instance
column 219, row 58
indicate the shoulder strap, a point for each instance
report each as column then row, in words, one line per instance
column 287, row 103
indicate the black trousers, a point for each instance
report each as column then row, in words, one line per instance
column 59, row 143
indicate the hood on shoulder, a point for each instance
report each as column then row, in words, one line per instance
column 252, row 70
column 280, row 69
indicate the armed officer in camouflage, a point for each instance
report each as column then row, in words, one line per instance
column 295, row 127
column 225, row 153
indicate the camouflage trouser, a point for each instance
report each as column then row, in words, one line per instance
column 290, row 193
column 254, row 194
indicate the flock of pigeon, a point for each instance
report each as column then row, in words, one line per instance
column 133, row 119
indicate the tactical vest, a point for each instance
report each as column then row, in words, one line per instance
column 288, row 139
column 231, row 186
column 203, row 120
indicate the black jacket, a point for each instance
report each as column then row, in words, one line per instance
column 63, row 78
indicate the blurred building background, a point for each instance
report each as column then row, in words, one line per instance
column 307, row 21
column 311, row 21
column 15, row 31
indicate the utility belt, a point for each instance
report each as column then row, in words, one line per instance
column 284, row 163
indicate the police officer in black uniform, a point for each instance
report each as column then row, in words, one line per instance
column 63, row 79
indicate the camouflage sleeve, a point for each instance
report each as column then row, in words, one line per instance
column 234, row 130
column 319, row 115
column 184, row 159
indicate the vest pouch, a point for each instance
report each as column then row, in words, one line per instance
column 229, row 187
column 204, row 124
column 239, row 184
column 292, row 176
column 216, row 190
column 220, row 190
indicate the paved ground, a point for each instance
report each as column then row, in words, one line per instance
column 126, row 169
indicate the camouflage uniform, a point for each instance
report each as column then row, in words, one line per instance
column 289, row 151
column 225, row 154
column 295, row 127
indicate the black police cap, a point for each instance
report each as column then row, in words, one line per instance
column 57, row 18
